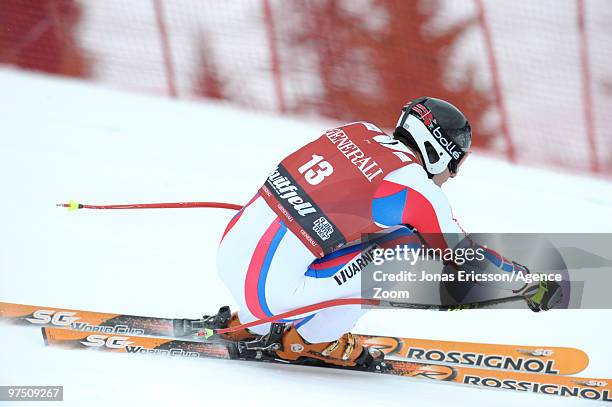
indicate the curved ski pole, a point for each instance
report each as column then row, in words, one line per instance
column 208, row 332
column 73, row 205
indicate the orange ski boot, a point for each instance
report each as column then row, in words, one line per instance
column 345, row 351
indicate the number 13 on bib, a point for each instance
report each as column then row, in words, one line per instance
column 323, row 192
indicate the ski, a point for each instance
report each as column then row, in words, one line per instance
column 532, row 359
column 587, row 388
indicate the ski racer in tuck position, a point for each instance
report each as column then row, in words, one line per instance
column 283, row 248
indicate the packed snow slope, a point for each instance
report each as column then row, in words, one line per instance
column 63, row 140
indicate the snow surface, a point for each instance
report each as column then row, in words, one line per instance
column 63, row 139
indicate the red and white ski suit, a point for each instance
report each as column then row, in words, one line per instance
column 289, row 245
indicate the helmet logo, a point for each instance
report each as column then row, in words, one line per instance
column 447, row 144
column 425, row 114
column 430, row 121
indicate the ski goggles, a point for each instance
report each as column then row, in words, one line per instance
column 454, row 165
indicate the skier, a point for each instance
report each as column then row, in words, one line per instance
column 282, row 250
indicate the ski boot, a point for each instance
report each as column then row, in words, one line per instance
column 345, row 351
column 224, row 318
column 542, row 296
column 284, row 342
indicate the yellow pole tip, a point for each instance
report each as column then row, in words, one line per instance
column 73, row 205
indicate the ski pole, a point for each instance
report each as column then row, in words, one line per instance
column 208, row 332
column 73, row 205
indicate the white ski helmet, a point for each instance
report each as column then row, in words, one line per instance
column 438, row 131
